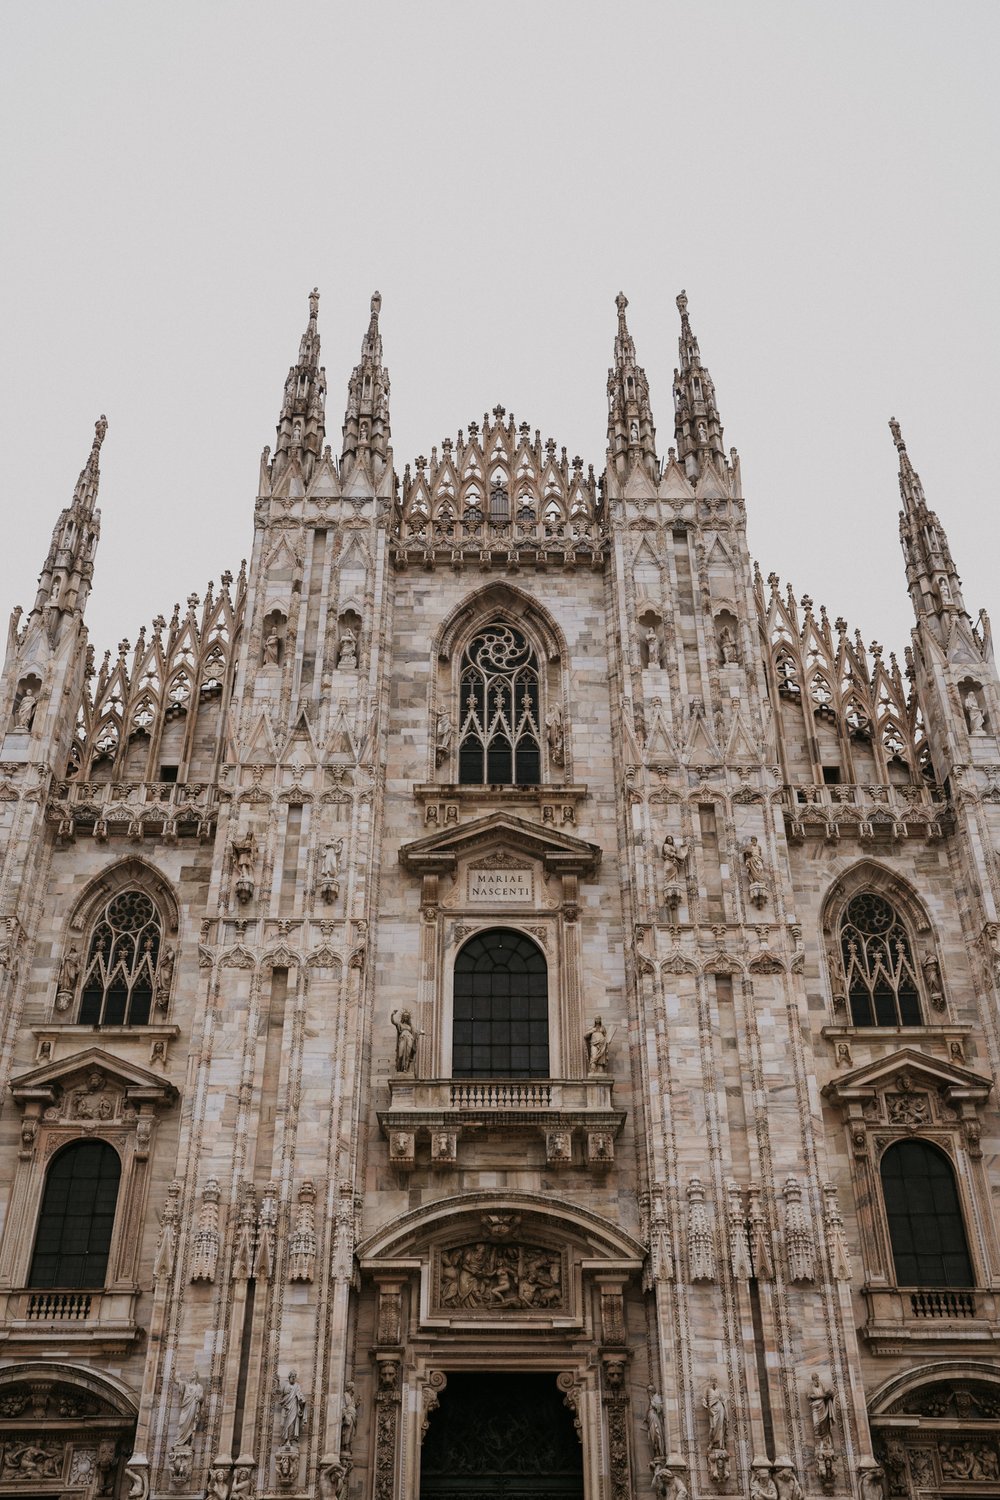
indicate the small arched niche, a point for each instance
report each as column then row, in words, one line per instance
column 650, row 623
column 26, row 702
column 974, row 707
column 726, row 638
column 273, row 638
column 348, row 639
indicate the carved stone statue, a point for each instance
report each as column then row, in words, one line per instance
column 244, row 847
column 242, row 1485
column 872, row 1484
column 652, row 648
column 69, row 977
column 973, row 713
column 718, row 1414
column 192, row 1395
column 347, row 653
column 350, row 1412
column 292, row 1407
column 785, row 1480
column 330, row 866
column 762, row 1486
column 822, row 1406
column 667, row 1482
column 406, row 1040
column 554, row 734
column 26, row 710
column 597, row 1047
column 654, row 1422
column 218, row 1484
column 442, row 737
column 727, row 646
column 674, row 857
column 753, row 863
column 164, row 976
column 332, row 1478
column 272, row 647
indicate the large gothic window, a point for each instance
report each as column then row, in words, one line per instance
column 77, row 1217
column 878, row 964
column 925, row 1217
column 120, row 973
column 499, row 711
column 501, row 1011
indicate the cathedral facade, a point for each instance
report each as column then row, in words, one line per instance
column 499, row 999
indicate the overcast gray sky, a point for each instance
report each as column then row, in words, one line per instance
column 821, row 178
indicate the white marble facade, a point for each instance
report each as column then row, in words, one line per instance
column 722, row 815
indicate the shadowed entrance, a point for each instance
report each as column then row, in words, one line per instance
column 507, row 1435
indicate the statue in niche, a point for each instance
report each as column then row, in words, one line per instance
column 554, row 734
column 597, row 1047
column 633, row 431
column 973, row 713
column 822, row 1407
column 329, row 869
column 244, row 847
column 272, row 649
column 714, row 1403
column 652, row 648
column 347, row 653
column 727, row 646
column 69, row 977
column 350, row 1412
column 164, row 977
column 406, row 1041
column 442, row 737
column 654, row 1422
column 26, row 711
column 292, row 1407
column 753, row 863
column 192, row 1395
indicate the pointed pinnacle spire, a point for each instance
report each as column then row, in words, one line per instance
column 697, row 425
column 366, row 420
column 302, row 423
column 64, row 582
column 631, row 434
column 934, row 585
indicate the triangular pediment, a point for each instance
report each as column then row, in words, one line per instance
column 53, row 1078
column 915, row 1067
column 560, row 852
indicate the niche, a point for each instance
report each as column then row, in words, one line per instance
column 273, row 637
column 725, row 637
column 650, row 638
column 25, row 702
column 348, row 637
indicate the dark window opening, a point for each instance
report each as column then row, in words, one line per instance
column 77, row 1217
column 501, row 1009
column 878, row 964
column 929, row 1247
column 831, row 775
column 120, row 974
column 169, row 773
column 499, row 711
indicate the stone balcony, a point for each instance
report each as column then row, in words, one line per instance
column 93, row 1319
column 167, row 810
column 901, row 1316
column 869, row 813
column 489, row 545
column 574, row 1117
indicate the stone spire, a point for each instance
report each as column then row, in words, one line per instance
column 697, row 426
column 931, row 577
column 631, row 434
column 366, row 421
column 64, row 582
column 302, row 423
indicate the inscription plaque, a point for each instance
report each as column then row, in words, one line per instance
column 501, row 887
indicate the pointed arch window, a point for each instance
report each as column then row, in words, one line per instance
column 77, row 1217
column 926, row 1230
column 119, row 978
column 878, row 963
column 499, row 742
column 501, row 1008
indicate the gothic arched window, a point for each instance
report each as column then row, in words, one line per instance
column 878, row 964
column 499, row 711
column 929, row 1247
column 501, row 1009
column 120, row 973
column 77, row 1217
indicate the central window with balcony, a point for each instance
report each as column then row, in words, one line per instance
column 501, row 1008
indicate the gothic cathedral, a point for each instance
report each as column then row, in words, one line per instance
column 498, row 999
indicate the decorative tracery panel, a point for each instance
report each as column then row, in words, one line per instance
column 120, row 975
column 878, row 964
column 499, row 740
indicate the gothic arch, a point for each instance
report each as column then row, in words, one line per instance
column 871, row 876
column 500, row 601
column 133, row 871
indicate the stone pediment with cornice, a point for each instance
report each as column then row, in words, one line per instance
column 53, row 1080
column 906, row 1070
column 560, row 853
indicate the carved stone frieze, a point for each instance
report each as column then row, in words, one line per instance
column 484, row 1275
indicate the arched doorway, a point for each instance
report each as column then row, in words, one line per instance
column 506, row 1435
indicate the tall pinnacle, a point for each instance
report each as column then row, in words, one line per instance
column 931, row 576
column 697, row 426
column 366, row 420
column 631, row 434
column 64, row 582
column 302, row 423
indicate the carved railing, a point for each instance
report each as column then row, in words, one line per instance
column 131, row 808
column 943, row 1304
column 58, row 1307
column 866, row 811
column 524, row 542
column 502, row 1095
